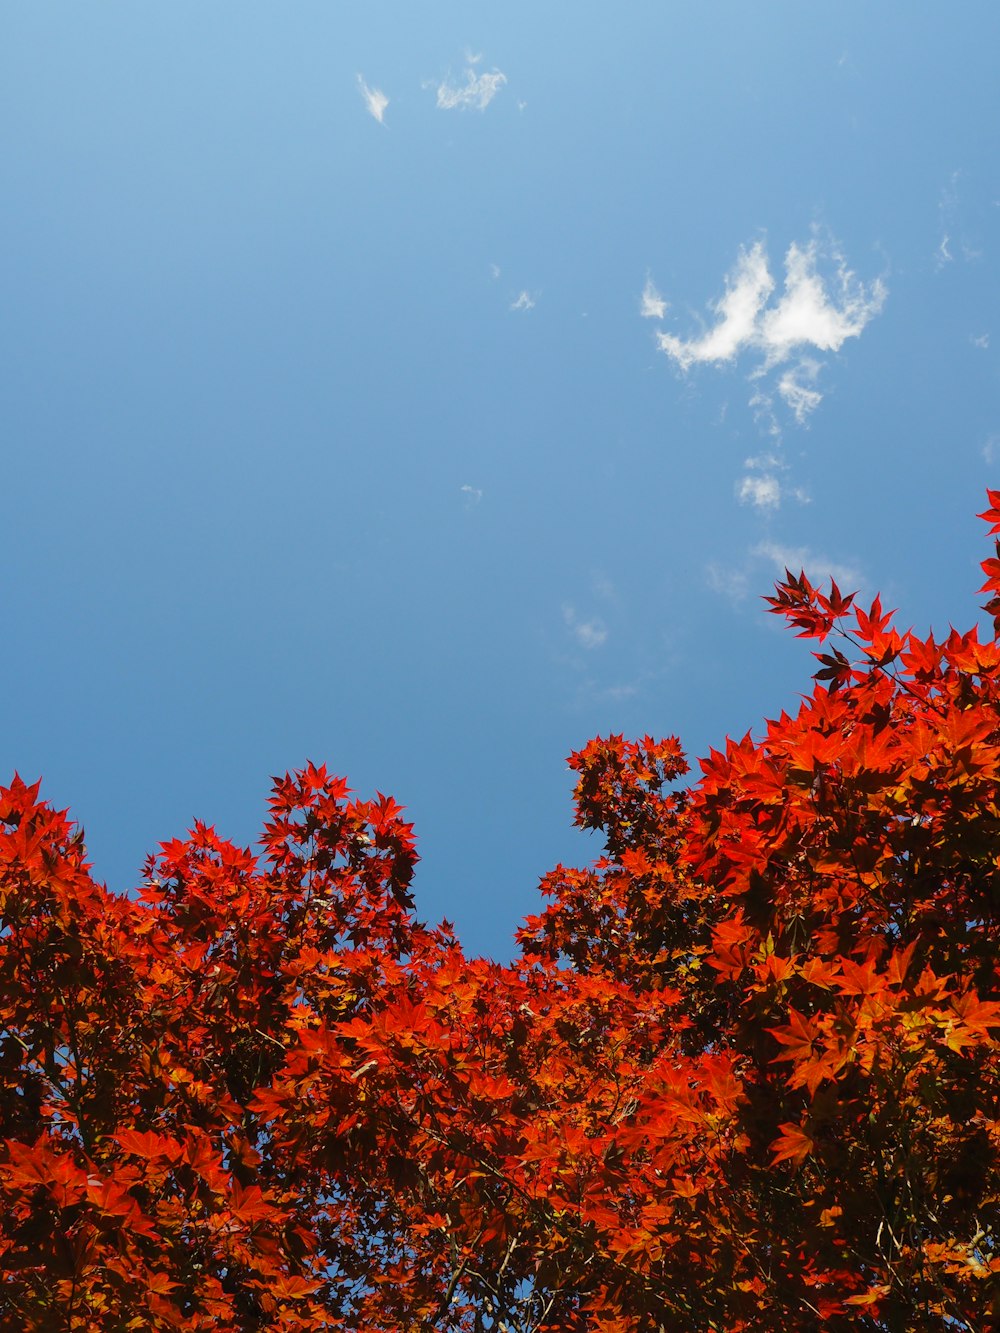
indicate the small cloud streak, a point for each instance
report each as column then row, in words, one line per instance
column 953, row 210
column 375, row 100
column 472, row 494
column 819, row 568
column 619, row 692
column 813, row 313
column 478, row 91
column 737, row 582
column 794, row 389
column 765, row 491
column 651, row 303
column 589, row 634
column 731, row 583
column 525, row 301
column 762, row 492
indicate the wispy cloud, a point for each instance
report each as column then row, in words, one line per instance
column 731, row 583
column 761, row 486
column 737, row 582
column 375, row 100
column 767, row 460
column 794, row 388
column 762, row 492
column 588, row 633
column 953, row 213
column 982, row 341
column 748, row 287
column 525, row 301
column 651, row 303
column 815, row 313
column 620, row 692
column 819, row 568
column 807, row 317
column 477, row 92
column 472, row 494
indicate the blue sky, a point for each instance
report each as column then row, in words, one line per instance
column 425, row 389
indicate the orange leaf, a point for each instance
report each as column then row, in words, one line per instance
column 793, row 1144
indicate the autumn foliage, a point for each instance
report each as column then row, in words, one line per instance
column 743, row 1073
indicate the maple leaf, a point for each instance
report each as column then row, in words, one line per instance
column 249, row 1204
column 148, row 1146
column 793, row 1144
column 992, row 514
column 870, row 1297
column 874, row 622
column 798, row 1036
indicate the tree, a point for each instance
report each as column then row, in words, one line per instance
column 743, row 1072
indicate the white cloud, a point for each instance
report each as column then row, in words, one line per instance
column 472, row 494
column 525, row 301
column 494, row 270
column 763, row 461
column 651, row 304
column 478, row 92
column 819, row 568
column 800, row 398
column 806, row 317
column 375, row 100
column 761, row 492
column 991, row 449
column 731, row 583
column 982, row 341
column 737, row 582
column 588, row 633
column 953, row 211
column 618, row 692
column 747, row 290
column 814, row 313
column 762, row 406
column 766, row 492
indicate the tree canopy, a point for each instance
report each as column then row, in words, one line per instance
column 742, row 1072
